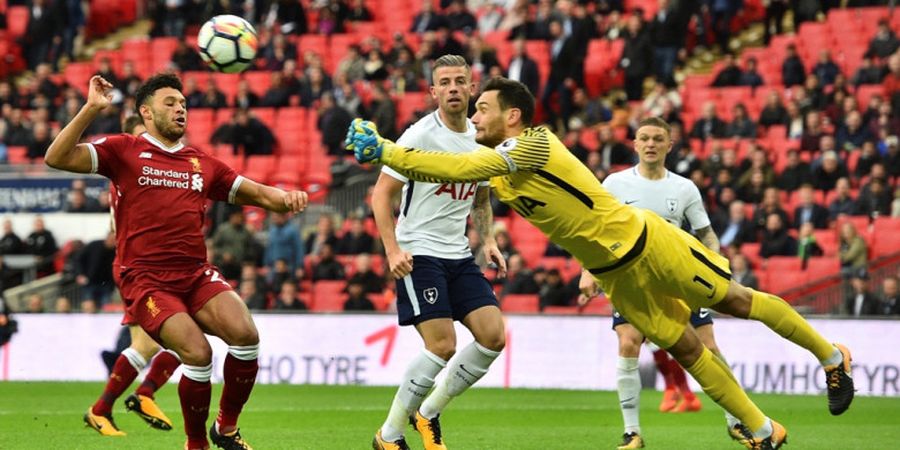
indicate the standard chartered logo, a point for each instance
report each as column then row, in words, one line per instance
column 197, row 182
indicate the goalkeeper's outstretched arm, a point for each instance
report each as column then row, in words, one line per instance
column 438, row 166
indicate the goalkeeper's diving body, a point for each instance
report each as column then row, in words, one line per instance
column 654, row 273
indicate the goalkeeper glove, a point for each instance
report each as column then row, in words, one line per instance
column 365, row 142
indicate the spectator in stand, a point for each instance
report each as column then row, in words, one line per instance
column 383, row 112
column 278, row 94
column 722, row 11
column 843, row 203
column 327, row 267
column 356, row 240
column 667, row 31
column 130, row 81
column 589, row 111
column 105, row 70
column 40, row 140
column 245, row 133
column 774, row 18
column 519, row 279
column 554, row 291
column 213, row 97
column 35, row 304
column 806, row 11
column 43, row 34
column 79, row 202
column 358, row 12
column 757, row 159
column 352, row 65
column 861, row 301
column 891, row 156
column 825, row 69
column 741, row 125
column 814, row 97
column 18, row 129
column 427, row 19
column 245, row 98
column 357, row 298
column 852, row 134
column 794, row 121
column 770, row 204
column 884, row 43
column 874, row 199
column 566, row 73
column 750, row 75
column 315, row 85
column 852, row 250
column 736, row 229
column 826, row 174
column 807, row 247
column 730, row 75
column 370, row 281
column 290, row 78
column 792, row 69
column 808, row 211
column 289, row 14
column 280, row 273
column 288, row 300
column 233, row 244
column 709, row 125
column 776, row 241
column 889, row 300
column 795, row 173
column 459, row 18
column 44, row 83
column 661, row 94
column 612, row 152
column 324, row 234
column 868, row 72
column 332, row 123
column 753, row 189
column 740, row 271
column 813, row 132
column 95, row 270
column 868, row 157
column 10, row 243
column 185, row 58
column 637, row 57
column 62, row 305
column 252, row 297
column 284, row 243
column 41, row 243
column 192, row 94
column 522, row 68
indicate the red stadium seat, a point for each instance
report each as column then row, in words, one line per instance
column 162, row 49
column 266, row 116
column 781, row 264
column 886, row 245
column 17, row 20
column 827, row 240
column 786, row 281
column 292, row 117
column 519, row 303
column 328, row 296
column 258, row 81
column 17, row 154
column 821, row 267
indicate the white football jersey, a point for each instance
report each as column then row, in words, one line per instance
column 672, row 197
column 432, row 218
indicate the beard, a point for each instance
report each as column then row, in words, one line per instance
column 167, row 129
column 489, row 140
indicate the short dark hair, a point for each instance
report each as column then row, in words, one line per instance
column 655, row 122
column 131, row 122
column 153, row 84
column 513, row 94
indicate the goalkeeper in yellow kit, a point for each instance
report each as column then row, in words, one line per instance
column 654, row 273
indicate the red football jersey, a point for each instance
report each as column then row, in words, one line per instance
column 160, row 198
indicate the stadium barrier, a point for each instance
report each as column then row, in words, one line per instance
column 542, row 352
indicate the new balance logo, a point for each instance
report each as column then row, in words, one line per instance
column 145, row 155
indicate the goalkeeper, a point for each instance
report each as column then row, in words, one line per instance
column 660, row 272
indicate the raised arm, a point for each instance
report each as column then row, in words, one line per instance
column 65, row 153
column 270, row 198
column 515, row 154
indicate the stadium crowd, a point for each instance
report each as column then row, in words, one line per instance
column 840, row 157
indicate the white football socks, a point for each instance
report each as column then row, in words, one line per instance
column 417, row 381
column 466, row 368
column 836, row 358
column 628, row 385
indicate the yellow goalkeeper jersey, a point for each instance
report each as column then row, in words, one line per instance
column 536, row 175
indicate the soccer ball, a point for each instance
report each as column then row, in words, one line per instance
column 227, row 43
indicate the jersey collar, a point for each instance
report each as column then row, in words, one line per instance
column 162, row 146
column 437, row 118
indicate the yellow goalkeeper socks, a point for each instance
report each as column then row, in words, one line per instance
column 784, row 320
column 717, row 381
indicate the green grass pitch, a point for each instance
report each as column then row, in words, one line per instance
column 48, row 416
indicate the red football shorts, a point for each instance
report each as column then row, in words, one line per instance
column 152, row 296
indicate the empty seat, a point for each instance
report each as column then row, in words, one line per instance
column 519, row 303
column 328, row 296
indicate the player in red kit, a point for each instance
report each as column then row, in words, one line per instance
column 163, row 188
column 130, row 362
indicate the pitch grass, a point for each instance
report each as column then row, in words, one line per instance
column 48, row 416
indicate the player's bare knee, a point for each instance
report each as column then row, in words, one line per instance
column 443, row 348
column 494, row 341
column 246, row 336
column 146, row 349
column 196, row 355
